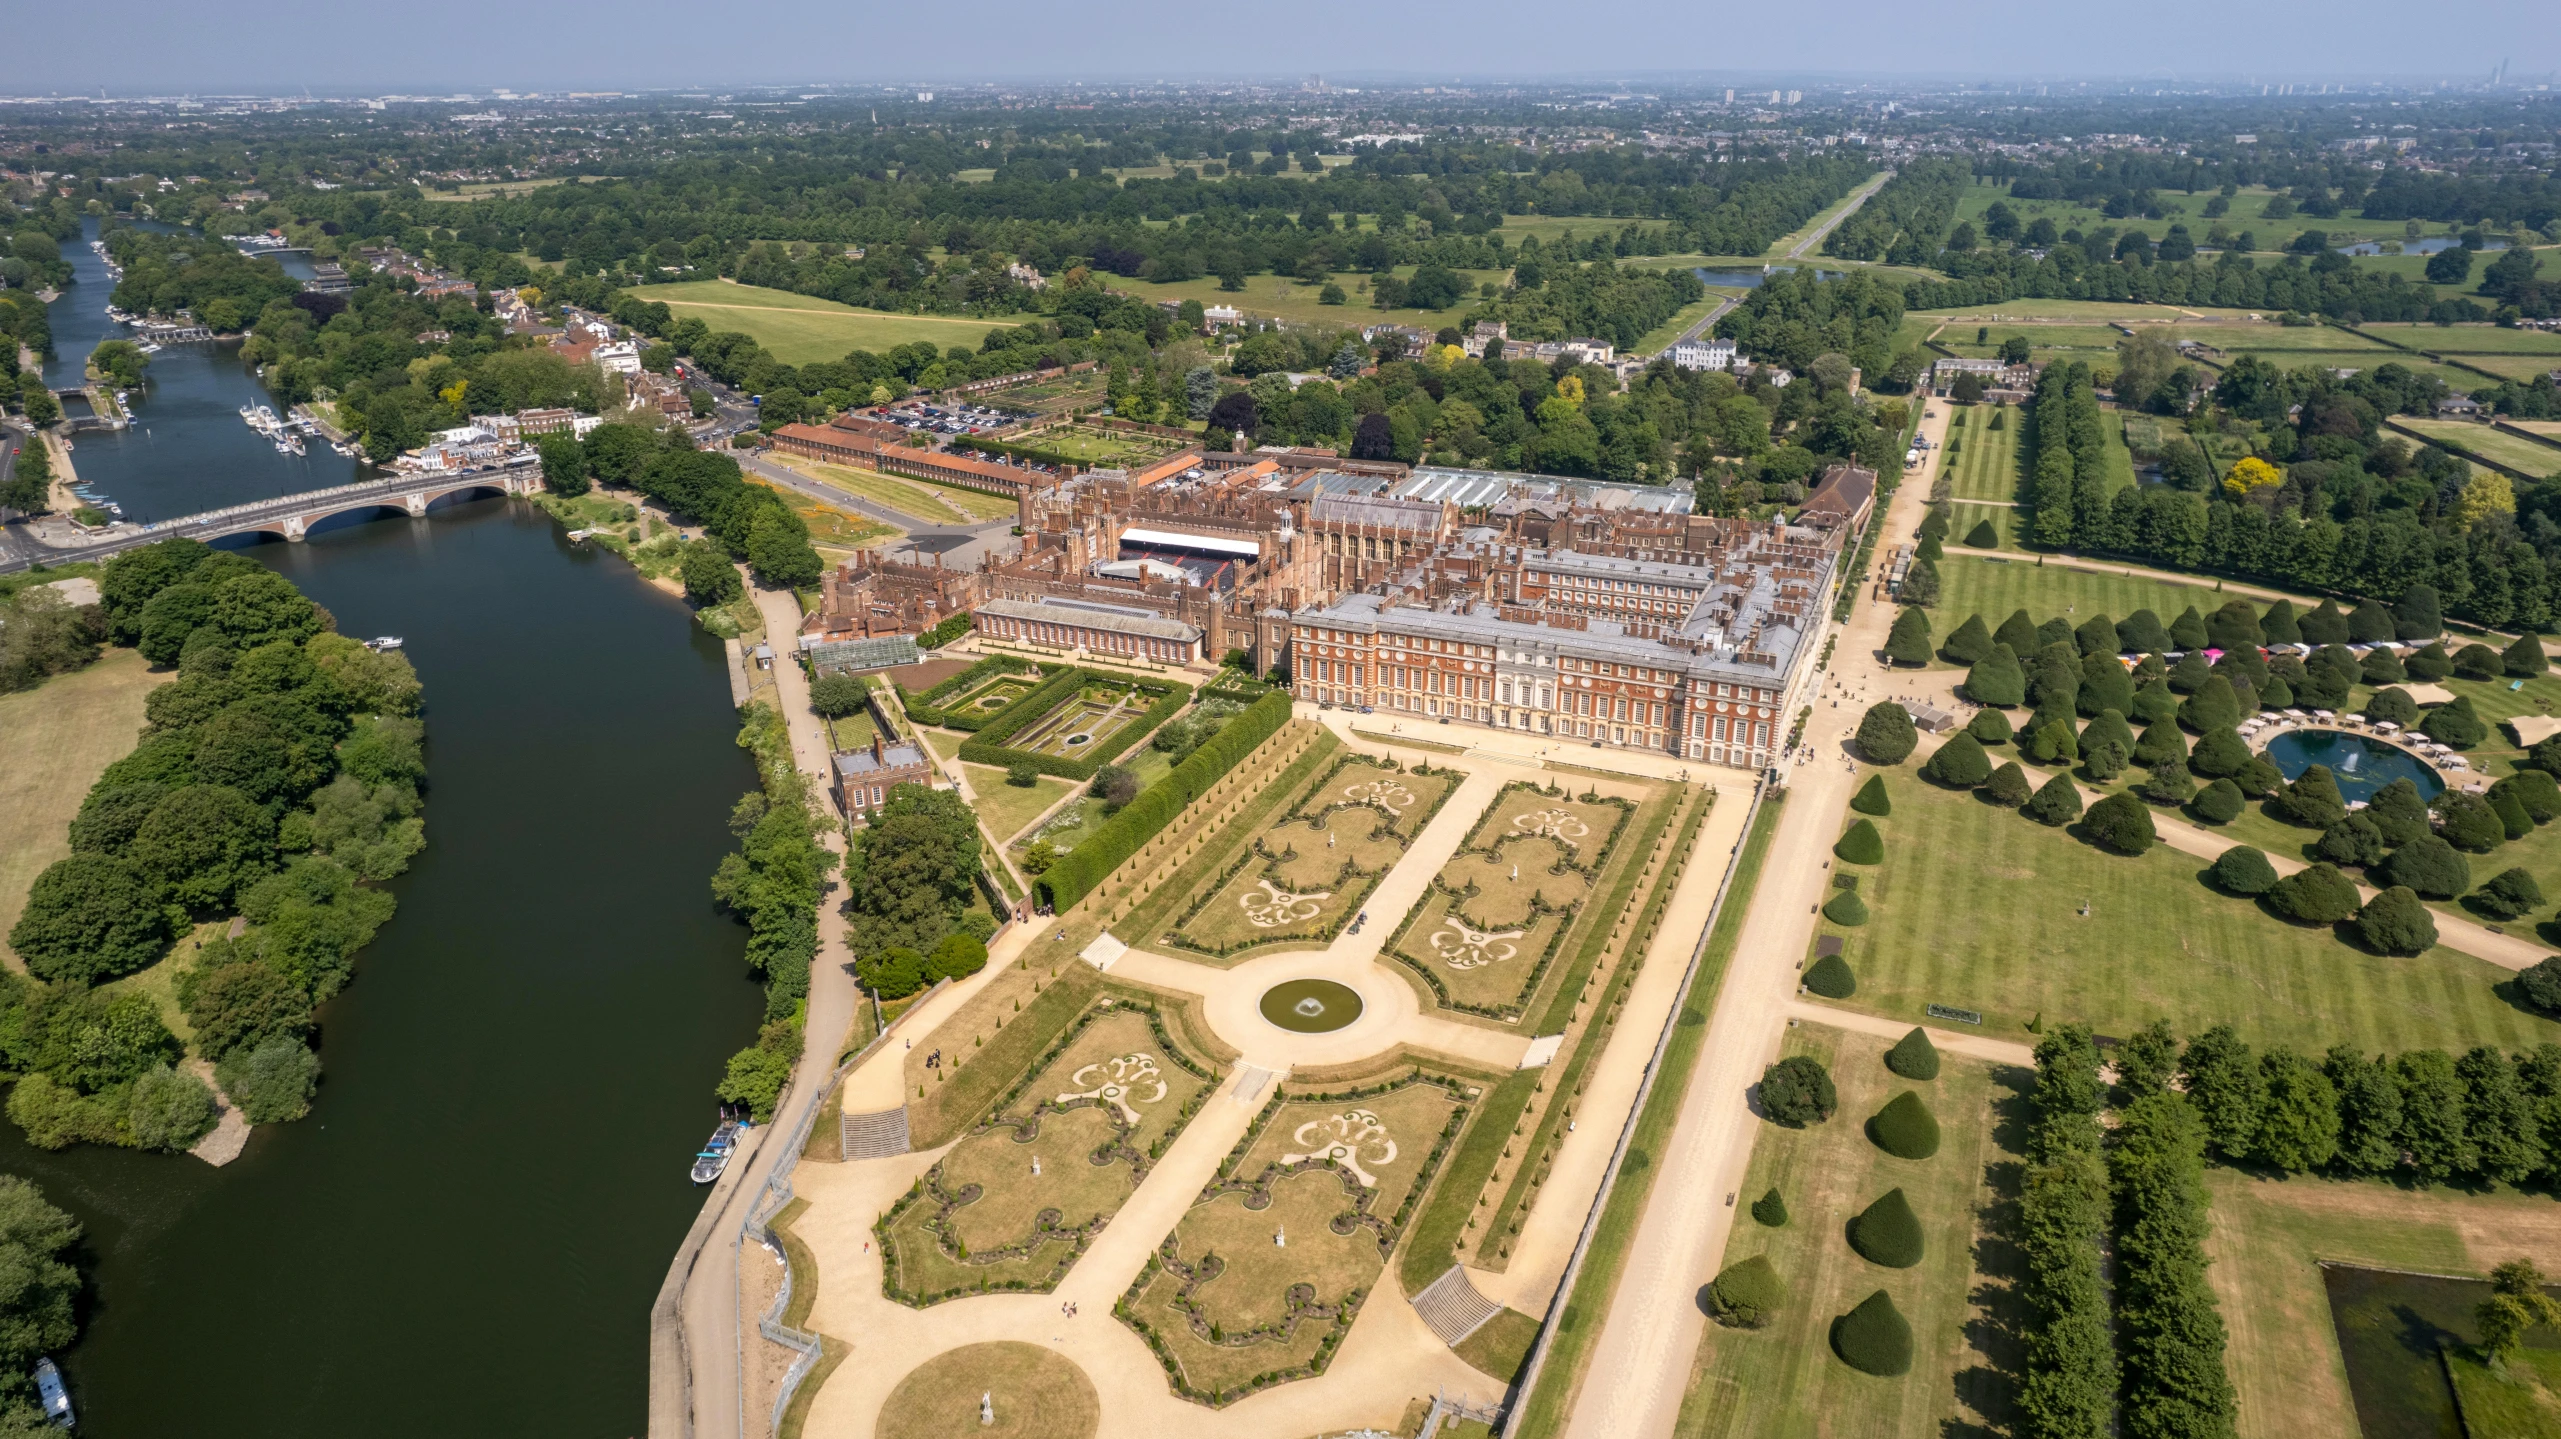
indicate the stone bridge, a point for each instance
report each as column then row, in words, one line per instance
column 290, row 517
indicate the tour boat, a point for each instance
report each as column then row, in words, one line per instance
column 56, row 1399
column 383, row 642
column 713, row 1161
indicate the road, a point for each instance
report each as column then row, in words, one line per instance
column 716, row 1332
column 1857, row 198
column 1653, row 1325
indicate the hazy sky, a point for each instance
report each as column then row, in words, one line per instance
column 166, row 45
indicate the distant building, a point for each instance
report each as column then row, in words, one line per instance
column 864, row 778
column 1126, row 631
column 2459, row 406
column 1221, row 315
column 1703, row 354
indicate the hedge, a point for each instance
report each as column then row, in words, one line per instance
column 1747, row 1295
column 1874, row 1338
column 1888, row 1232
column 988, row 745
column 2170, row 1328
column 1905, row 1128
column 1831, row 978
column 1913, row 1056
column 1071, row 878
column 944, row 633
column 1770, row 1209
column 927, row 708
column 1860, row 844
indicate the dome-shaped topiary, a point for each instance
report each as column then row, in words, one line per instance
column 2008, row 787
column 2220, row 802
column 1871, row 797
column 1846, row 910
column 1861, row 844
column 1875, row 1337
column 1960, row 763
column 1831, row 978
column 1913, row 1056
column 2244, row 871
column 1888, row 1232
column 1746, row 1295
column 1798, row 1091
column 1905, row 1128
column 1770, row 1209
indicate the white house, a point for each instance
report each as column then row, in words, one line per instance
column 1703, row 354
column 1222, row 315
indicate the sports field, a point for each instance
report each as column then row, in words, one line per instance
column 1980, row 908
column 799, row 329
column 1785, row 1380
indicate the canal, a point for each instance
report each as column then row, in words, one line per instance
column 466, row 1234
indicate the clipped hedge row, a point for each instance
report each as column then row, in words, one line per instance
column 1069, row 880
column 988, row 745
column 927, row 708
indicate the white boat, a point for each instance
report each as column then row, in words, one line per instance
column 713, row 1161
column 383, row 642
column 56, row 1398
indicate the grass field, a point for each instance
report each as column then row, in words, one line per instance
column 1311, row 869
column 483, row 190
column 71, row 727
column 1993, row 588
column 2183, row 209
column 2521, row 368
column 1986, row 463
column 928, row 502
column 1037, row 1394
column 2472, row 339
column 2268, row 1240
column 2009, row 525
column 1006, row 809
column 1488, row 926
column 2469, row 438
column 1280, row 298
column 799, row 329
column 832, row 528
column 1672, row 329
column 1980, row 908
column 1090, row 446
column 1785, row 1379
column 979, row 1218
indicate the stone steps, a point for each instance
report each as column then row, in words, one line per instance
column 1452, row 1307
column 874, row 1136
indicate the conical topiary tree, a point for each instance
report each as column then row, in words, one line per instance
column 1860, row 844
column 1913, row 1056
column 2120, row 824
column 2189, row 674
column 1905, row 1128
column 2395, row 922
column 2510, row 894
column 2187, row 632
column 2142, row 633
column 1967, row 643
column 2009, row 786
column 2511, row 813
column 2097, row 636
column 1846, row 910
column 1871, row 797
column 2317, row 895
column 2428, row 865
column 1888, row 1232
column 2279, row 625
column 2525, row 659
column 1746, row 1295
column 2313, row 800
column 2214, row 706
column 2325, row 625
column 1770, row 1209
column 2105, row 686
column 1960, row 763
column 2398, row 812
column 2381, row 666
column 2370, row 623
column 2109, row 727
column 1908, row 643
column 2417, row 616
column 2428, row 663
column 2018, row 632
column 2218, row 753
column 1874, row 1338
column 1989, row 727
column 2455, row 724
column 1996, row 679
column 1831, row 978
column 1982, row 536
column 2056, row 803
column 2160, row 740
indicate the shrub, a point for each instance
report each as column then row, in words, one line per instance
column 1913, row 1056
column 1748, row 1294
column 2468, row 822
column 1989, row 727
column 2009, row 786
column 2317, row 895
column 1846, row 909
column 1888, row 1232
column 2398, row 812
column 2429, row 665
column 2215, row 705
column 273, row 1083
column 1874, row 1338
column 2394, row 922
column 2120, row 824
column 2220, row 802
column 1996, row 679
column 1886, row 735
column 2243, row 870
column 2535, row 793
column 2514, row 822
column 2392, row 706
column 1797, row 1091
column 1909, row 641
column 2218, row 754
column 2428, row 865
column 1861, row 844
column 2154, row 704
column 2509, row 894
column 2325, row 625
column 2479, row 662
column 1967, row 643
column 2056, row 803
column 1871, row 798
column 168, row 1110
column 2353, row 840
column 2313, row 800
column 1022, row 774
column 837, row 696
column 2167, row 783
column 2369, row 623
column 2259, row 778
column 2524, row 659
column 1981, row 537
column 1137, row 822
column 1831, row 978
column 2159, row 741
column 2052, row 742
column 1960, row 763
column 2540, row 984
column 1905, row 1128
column 959, row 955
column 1770, row 1209
column 2382, row 667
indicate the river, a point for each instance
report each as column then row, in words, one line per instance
column 466, row 1234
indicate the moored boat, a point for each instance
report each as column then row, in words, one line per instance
column 713, row 1161
column 56, row 1398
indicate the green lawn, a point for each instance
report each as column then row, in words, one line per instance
column 1986, row 462
column 1672, row 329
column 1980, row 908
column 2468, row 340
column 2245, row 213
column 2009, row 523
column 1993, row 588
column 799, row 329
column 1784, row 1379
column 1007, row 809
column 1278, row 297
column 929, row 502
column 2468, row 438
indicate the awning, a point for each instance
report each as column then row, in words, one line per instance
column 1215, row 544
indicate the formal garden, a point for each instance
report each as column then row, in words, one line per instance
column 1260, row 1281
column 1019, row 1198
column 1489, row 927
column 1304, row 877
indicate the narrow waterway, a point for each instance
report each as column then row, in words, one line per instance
column 465, row 1236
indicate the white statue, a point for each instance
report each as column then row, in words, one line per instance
column 987, row 1408
column 1035, row 1166
column 1280, row 1238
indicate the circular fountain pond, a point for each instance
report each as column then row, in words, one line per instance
column 1311, row 1006
column 2360, row 765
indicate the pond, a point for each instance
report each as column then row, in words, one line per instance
column 2360, row 765
column 2429, row 246
column 2390, row 1326
column 1750, row 279
column 1311, row 1006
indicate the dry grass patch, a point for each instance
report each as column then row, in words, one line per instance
column 1036, row 1394
column 1306, row 875
column 1489, row 927
column 65, row 732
